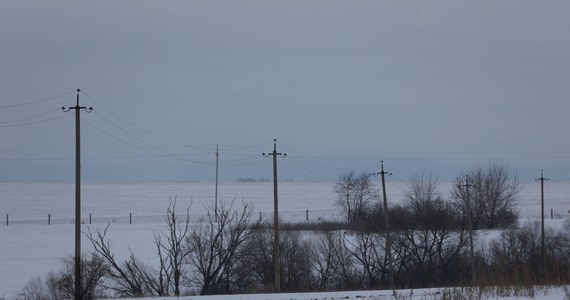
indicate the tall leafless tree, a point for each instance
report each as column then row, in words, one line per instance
column 128, row 276
column 216, row 246
column 171, row 251
column 430, row 240
column 355, row 193
column 422, row 192
column 493, row 195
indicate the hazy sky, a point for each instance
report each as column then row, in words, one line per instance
column 433, row 85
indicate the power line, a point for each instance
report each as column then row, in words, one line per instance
column 36, row 101
column 210, row 150
column 29, row 117
column 33, row 159
column 301, row 173
column 167, row 155
column 237, row 148
column 144, row 130
column 306, row 159
column 137, row 138
column 241, row 161
column 34, row 122
column 319, row 175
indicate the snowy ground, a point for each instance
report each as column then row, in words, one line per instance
column 416, row 294
column 29, row 247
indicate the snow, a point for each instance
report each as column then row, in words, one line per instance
column 542, row 293
column 29, row 247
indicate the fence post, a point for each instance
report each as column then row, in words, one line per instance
column 89, row 219
column 260, row 217
column 7, row 220
column 307, row 217
column 130, row 218
column 551, row 214
column 49, row 219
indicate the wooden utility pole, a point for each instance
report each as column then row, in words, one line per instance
column 467, row 185
column 77, row 108
column 542, row 179
column 387, row 226
column 276, row 250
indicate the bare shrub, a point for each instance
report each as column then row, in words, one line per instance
column 36, row 289
column 256, row 268
column 517, row 259
column 332, row 264
column 60, row 285
column 368, row 252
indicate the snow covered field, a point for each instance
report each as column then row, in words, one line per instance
column 29, row 247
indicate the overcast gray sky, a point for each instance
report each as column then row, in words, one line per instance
column 433, row 85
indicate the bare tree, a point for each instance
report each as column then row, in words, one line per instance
column 295, row 263
column 493, row 196
column 355, row 193
column 171, row 251
column 128, row 276
column 133, row 278
column 422, row 192
column 430, row 252
column 256, row 269
column 216, row 246
column 346, row 275
column 431, row 240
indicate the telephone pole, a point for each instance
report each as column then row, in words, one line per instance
column 216, row 192
column 387, row 224
column 467, row 185
column 77, row 108
column 276, row 250
column 542, row 179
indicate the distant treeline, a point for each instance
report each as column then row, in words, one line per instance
column 251, row 179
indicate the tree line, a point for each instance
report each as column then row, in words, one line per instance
column 231, row 253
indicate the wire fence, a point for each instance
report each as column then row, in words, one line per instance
column 296, row 216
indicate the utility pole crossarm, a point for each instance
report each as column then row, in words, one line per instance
column 77, row 107
column 274, row 153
